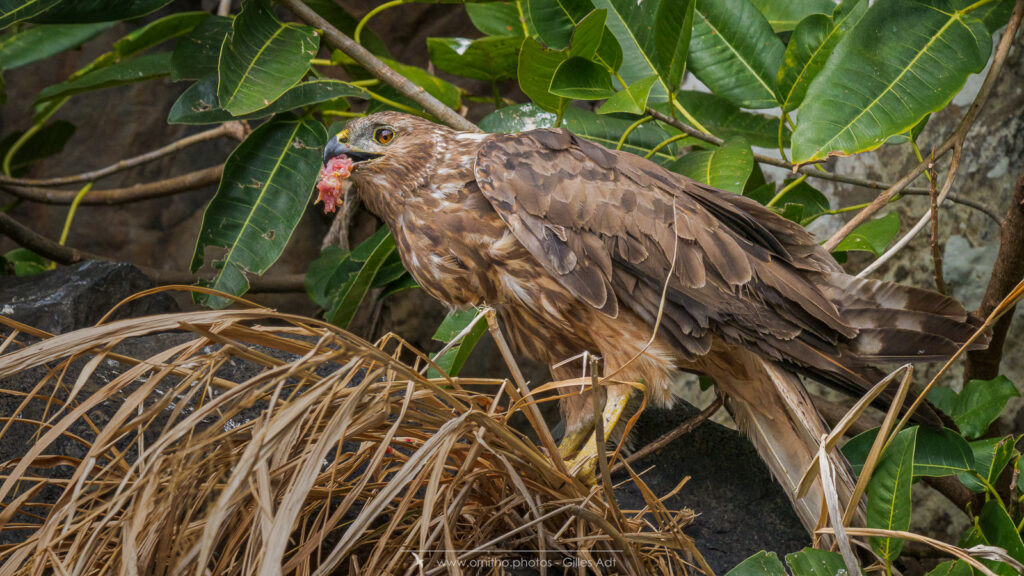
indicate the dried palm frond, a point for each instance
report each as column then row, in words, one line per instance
column 255, row 442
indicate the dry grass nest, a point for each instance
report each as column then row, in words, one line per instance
column 331, row 455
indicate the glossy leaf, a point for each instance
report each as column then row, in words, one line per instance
column 726, row 167
column 554, row 20
column 1000, row 530
column 889, row 502
column 952, row 568
column 994, row 15
column 735, row 53
column 991, row 455
column 784, row 15
column 496, row 18
column 138, row 69
column 80, row 11
column 632, row 100
column 444, row 91
column 760, row 564
column 487, row 59
column 453, row 325
column 581, row 79
column 266, row 186
column 198, row 104
column 872, row 236
column 261, row 59
column 810, row 47
column 814, row 562
column 904, row 60
column 936, row 452
column 12, row 11
column 196, row 54
column 979, row 404
column 673, row 26
column 370, row 256
column 725, row 119
column 634, row 25
column 801, row 202
column 158, row 31
column 24, row 262
column 537, row 66
column 604, row 129
column 43, row 41
column 46, row 142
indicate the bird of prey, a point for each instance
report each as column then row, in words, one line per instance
column 581, row 248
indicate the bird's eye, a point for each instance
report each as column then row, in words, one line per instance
column 383, row 135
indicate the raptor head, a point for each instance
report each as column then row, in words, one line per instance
column 387, row 154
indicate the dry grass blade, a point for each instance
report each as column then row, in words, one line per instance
column 253, row 442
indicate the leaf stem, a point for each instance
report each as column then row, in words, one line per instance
column 782, row 130
column 71, row 212
column 785, row 190
column 392, row 103
column 632, row 127
column 664, row 143
column 36, row 127
column 689, row 117
column 362, row 23
column 974, row 6
column 321, row 62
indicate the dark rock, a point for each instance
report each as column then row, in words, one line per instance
column 741, row 508
column 73, row 297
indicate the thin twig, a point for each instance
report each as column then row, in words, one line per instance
column 337, row 39
column 933, row 211
column 232, row 129
column 954, row 139
column 955, row 199
column 135, row 193
column 685, row 428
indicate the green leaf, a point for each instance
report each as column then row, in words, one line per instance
column 80, row 11
column 991, row 455
column 487, row 59
column 760, row 564
column 12, row 11
column 905, row 59
column 979, row 404
column 635, row 27
column 801, row 202
column 936, row 452
column 581, row 79
column 261, row 59
column 673, row 27
column 952, row 568
column 198, row 104
column 46, row 142
column 537, row 66
column 889, row 493
column 331, row 11
column 783, row 15
column 444, row 91
column 726, row 167
column 725, row 119
column 139, row 69
column 197, row 53
column 453, row 325
column 587, row 35
column 814, row 562
column 327, row 273
column 632, row 100
column 735, row 53
column 496, row 18
column 994, row 15
column 266, row 185
column 872, row 236
column 810, row 47
column 26, row 263
column 371, row 254
column 554, row 20
column 604, row 129
column 999, row 529
column 43, row 41
column 157, row 32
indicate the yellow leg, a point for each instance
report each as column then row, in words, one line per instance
column 584, row 464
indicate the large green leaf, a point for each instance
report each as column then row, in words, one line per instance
column 197, row 53
column 994, row 527
column 760, row 564
column 266, row 185
column 991, row 455
column 605, row 129
column 980, row 403
column 784, row 15
column 138, row 69
column 632, row 100
column 453, row 325
column 673, row 27
column 488, row 59
column 936, row 452
column 262, row 58
column 12, row 11
column 554, row 20
column 497, row 18
column 537, row 66
column 952, row 568
column 725, row 119
column 635, row 26
column 369, row 259
column 809, row 49
column 46, row 142
column 801, row 202
column 995, row 14
column 735, row 53
column 904, row 60
column 41, row 42
column 80, row 11
column 814, row 562
column 198, row 104
column 331, row 11
column 726, row 167
column 889, row 493
column 444, row 91
column 581, row 79
column 872, row 236
column 158, row 31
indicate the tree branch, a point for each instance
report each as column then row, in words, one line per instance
column 337, row 39
column 134, row 193
column 1006, row 274
column 233, row 129
column 955, row 139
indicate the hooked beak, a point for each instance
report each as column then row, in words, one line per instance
column 339, row 145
